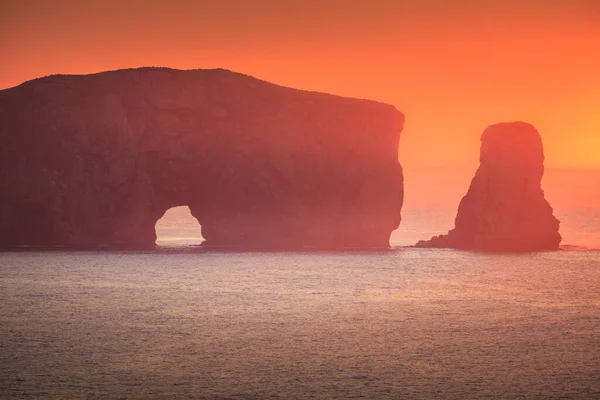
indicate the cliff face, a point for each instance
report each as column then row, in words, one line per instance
column 505, row 208
column 96, row 160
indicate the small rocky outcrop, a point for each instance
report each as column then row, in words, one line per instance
column 96, row 160
column 505, row 208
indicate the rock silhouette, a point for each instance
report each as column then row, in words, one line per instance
column 96, row 160
column 504, row 208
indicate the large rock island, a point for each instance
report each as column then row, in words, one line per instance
column 504, row 208
column 96, row 160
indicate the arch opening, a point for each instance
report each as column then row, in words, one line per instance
column 178, row 227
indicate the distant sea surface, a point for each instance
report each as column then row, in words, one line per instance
column 181, row 322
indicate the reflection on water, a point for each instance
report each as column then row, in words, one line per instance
column 407, row 323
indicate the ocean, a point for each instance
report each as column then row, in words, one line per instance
column 183, row 322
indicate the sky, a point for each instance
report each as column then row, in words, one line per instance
column 452, row 67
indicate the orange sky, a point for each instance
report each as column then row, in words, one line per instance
column 452, row 67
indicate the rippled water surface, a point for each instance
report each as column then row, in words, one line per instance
column 400, row 324
column 406, row 323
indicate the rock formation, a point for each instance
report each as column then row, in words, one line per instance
column 505, row 208
column 96, row 160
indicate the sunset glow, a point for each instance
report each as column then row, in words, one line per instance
column 299, row 199
column 451, row 69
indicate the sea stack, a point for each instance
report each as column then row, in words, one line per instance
column 95, row 160
column 504, row 208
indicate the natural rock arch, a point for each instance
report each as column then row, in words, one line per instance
column 178, row 227
column 96, row 160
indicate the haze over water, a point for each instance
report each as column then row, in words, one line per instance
column 179, row 322
column 431, row 201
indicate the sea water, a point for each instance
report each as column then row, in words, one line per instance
column 181, row 322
